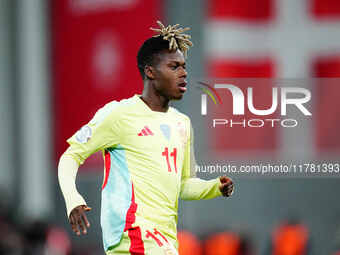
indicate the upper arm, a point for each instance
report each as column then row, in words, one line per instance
column 100, row 133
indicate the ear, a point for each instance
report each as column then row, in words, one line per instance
column 149, row 72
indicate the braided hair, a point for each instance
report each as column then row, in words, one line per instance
column 168, row 38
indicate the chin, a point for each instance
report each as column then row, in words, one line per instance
column 177, row 97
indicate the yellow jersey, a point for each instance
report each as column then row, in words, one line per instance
column 149, row 165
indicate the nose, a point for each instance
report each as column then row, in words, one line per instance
column 184, row 73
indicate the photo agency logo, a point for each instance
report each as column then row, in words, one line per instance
column 294, row 97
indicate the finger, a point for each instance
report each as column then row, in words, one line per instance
column 227, row 185
column 230, row 190
column 224, row 191
column 227, row 189
column 74, row 225
column 87, row 223
column 81, row 224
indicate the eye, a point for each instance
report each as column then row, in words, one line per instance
column 173, row 67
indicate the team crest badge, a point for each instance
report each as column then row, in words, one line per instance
column 182, row 131
column 166, row 131
column 84, row 134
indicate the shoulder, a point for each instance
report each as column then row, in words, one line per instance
column 112, row 110
column 180, row 115
column 184, row 121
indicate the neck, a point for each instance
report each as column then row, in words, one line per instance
column 154, row 100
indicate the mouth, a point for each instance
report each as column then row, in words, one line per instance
column 182, row 86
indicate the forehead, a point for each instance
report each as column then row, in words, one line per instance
column 171, row 56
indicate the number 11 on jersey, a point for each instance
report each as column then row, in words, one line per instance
column 173, row 154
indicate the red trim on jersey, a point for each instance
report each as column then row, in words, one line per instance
column 135, row 235
column 130, row 215
column 137, row 245
column 107, row 168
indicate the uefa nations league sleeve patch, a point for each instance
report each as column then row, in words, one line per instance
column 84, row 134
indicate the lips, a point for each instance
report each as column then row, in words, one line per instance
column 182, row 86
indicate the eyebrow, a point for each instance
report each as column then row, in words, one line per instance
column 177, row 62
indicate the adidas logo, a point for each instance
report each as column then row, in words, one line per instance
column 145, row 131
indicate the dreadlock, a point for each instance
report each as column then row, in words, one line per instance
column 168, row 38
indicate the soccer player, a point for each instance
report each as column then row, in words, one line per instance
column 148, row 152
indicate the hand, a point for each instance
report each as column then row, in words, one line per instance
column 226, row 186
column 78, row 220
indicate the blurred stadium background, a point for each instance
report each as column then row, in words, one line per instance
column 60, row 60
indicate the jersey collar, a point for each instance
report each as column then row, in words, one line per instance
column 146, row 108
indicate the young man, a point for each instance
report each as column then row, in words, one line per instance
column 149, row 158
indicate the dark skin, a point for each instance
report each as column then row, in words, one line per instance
column 227, row 186
column 165, row 81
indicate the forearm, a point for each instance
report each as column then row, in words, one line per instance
column 67, row 172
column 196, row 189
